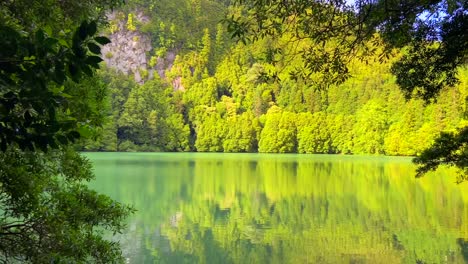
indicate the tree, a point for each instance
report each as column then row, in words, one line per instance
column 432, row 30
column 148, row 120
column 313, row 133
column 118, row 87
column 431, row 33
column 210, row 129
column 241, row 133
column 48, row 214
column 279, row 132
column 370, row 128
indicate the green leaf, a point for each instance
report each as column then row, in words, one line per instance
column 94, row 48
column 102, row 40
column 79, row 51
column 92, row 28
column 64, row 43
column 48, row 30
column 83, row 30
column 87, row 70
column 93, row 60
column 85, row 131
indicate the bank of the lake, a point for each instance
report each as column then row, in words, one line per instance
column 284, row 208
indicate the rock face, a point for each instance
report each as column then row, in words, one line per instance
column 129, row 50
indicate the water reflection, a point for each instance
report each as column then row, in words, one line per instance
column 251, row 208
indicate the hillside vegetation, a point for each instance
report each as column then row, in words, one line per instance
column 178, row 82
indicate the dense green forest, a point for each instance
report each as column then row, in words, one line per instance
column 196, row 89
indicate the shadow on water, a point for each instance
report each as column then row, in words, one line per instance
column 463, row 243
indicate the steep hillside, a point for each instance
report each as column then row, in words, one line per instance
column 148, row 35
column 128, row 50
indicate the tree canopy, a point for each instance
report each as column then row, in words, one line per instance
column 47, row 61
column 432, row 35
column 432, row 32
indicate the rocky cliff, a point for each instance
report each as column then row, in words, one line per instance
column 130, row 49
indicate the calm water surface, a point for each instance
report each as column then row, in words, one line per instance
column 258, row 208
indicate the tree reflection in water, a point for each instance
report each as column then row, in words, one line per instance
column 254, row 208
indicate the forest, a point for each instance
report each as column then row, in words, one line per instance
column 197, row 89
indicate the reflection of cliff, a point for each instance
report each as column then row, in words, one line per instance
column 292, row 209
column 175, row 219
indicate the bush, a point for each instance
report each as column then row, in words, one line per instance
column 127, row 146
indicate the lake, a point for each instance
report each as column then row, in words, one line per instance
column 272, row 208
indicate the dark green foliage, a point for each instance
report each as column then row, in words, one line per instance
column 436, row 49
column 448, row 149
column 149, row 121
column 49, row 215
column 33, row 72
column 52, row 15
column 434, row 31
column 49, row 98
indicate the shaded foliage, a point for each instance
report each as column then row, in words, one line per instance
column 33, row 73
column 434, row 31
column 448, row 149
column 50, row 215
column 49, row 99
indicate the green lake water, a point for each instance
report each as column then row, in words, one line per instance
column 259, row 208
